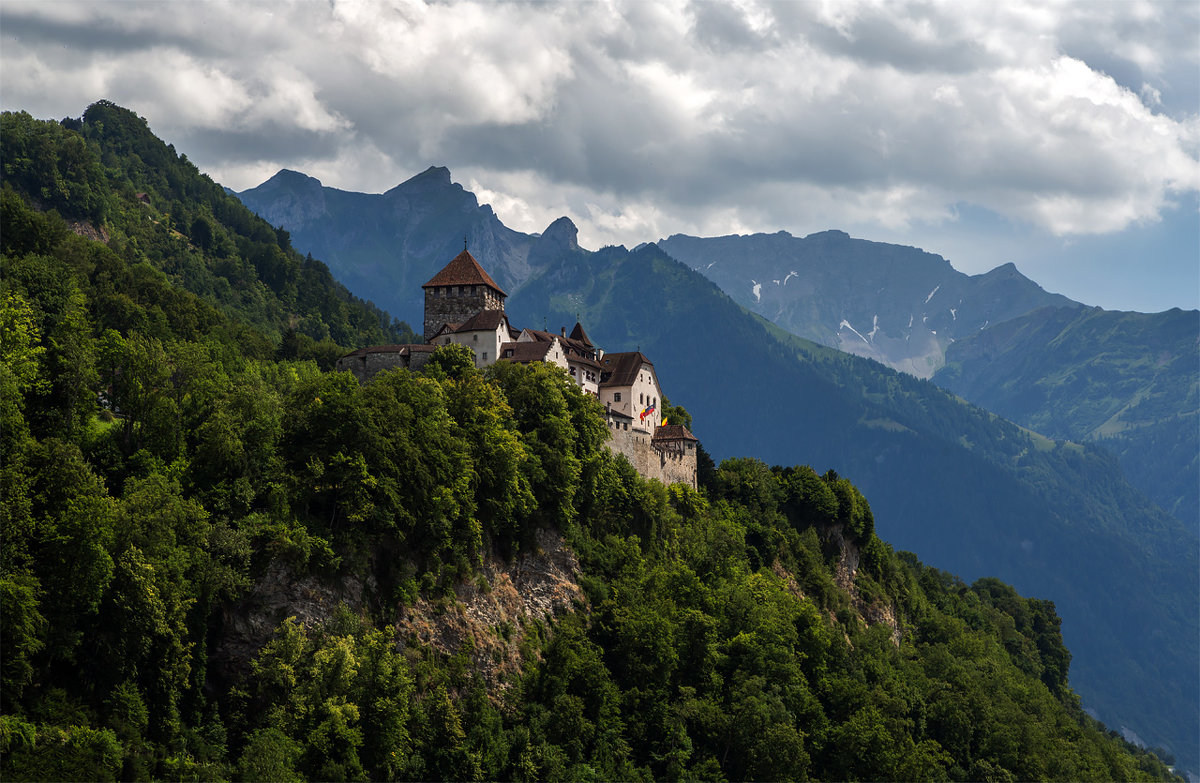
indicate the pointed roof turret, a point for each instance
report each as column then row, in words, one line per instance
column 463, row 270
column 578, row 334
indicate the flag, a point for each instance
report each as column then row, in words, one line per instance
column 649, row 409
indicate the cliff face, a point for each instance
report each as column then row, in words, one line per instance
column 491, row 613
column 488, row 616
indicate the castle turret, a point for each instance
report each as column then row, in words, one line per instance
column 458, row 292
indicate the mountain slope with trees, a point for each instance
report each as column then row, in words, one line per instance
column 954, row 483
column 107, row 176
column 1128, row 381
column 160, row 471
column 168, row 460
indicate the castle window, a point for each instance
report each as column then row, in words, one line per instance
column 475, row 338
column 617, row 397
column 485, row 356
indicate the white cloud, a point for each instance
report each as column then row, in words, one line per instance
column 643, row 119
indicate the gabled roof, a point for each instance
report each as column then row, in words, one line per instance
column 542, row 337
column 525, row 352
column 674, row 432
column 585, row 361
column 578, row 334
column 484, row 321
column 463, row 270
column 621, row 369
column 445, row 328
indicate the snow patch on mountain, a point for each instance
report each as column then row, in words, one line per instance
column 846, row 325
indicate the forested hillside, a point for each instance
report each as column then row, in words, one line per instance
column 108, row 177
column 174, row 457
column 1128, row 381
column 962, row 487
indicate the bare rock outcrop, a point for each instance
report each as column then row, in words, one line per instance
column 489, row 614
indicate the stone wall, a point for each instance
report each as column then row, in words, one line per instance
column 365, row 366
column 670, row 466
column 455, row 304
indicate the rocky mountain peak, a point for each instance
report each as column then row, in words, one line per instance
column 562, row 233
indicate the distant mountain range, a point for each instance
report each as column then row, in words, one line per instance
column 961, row 487
column 388, row 245
column 898, row 305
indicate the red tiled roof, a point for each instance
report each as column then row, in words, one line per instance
column 621, row 369
column 484, row 320
column 463, row 270
column 674, row 432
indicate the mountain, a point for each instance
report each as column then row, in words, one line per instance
column 898, row 305
column 162, row 214
column 1128, row 381
column 221, row 563
column 387, row 245
column 953, row 483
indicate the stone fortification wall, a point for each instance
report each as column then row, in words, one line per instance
column 455, row 304
column 677, row 467
column 364, row 367
column 670, row 466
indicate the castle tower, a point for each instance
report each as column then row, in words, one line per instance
column 458, row 292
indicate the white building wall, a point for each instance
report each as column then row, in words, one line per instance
column 581, row 372
column 485, row 344
column 635, row 398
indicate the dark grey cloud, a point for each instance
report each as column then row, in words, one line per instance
column 655, row 117
column 97, row 36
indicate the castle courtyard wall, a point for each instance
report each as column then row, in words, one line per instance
column 670, row 466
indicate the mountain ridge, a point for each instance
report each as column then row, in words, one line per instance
column 170, row 490
column 899, row 305
column 701, row 338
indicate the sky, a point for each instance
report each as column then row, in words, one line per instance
column 1061, row 136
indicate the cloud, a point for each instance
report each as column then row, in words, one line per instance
column 644, row 119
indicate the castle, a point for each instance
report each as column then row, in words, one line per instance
column 464, row 306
